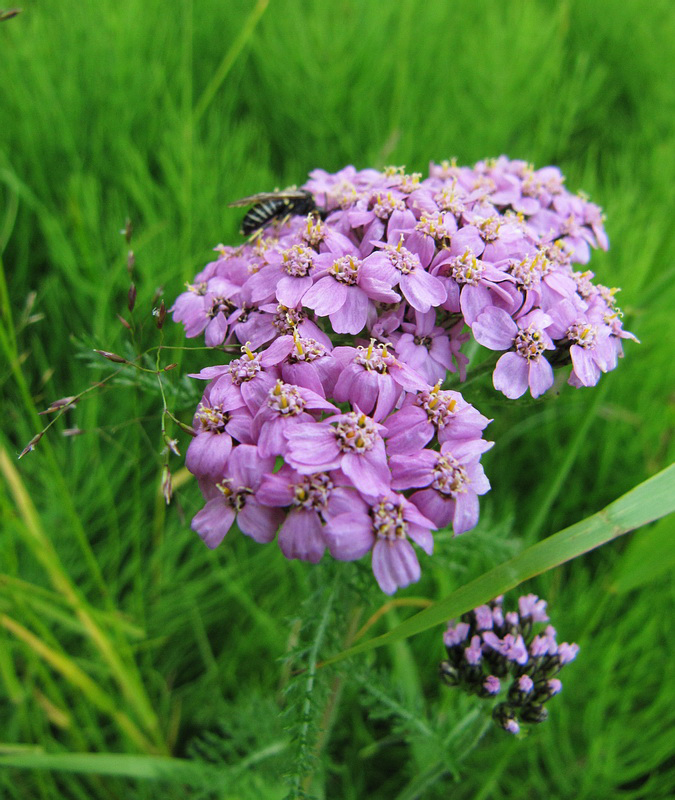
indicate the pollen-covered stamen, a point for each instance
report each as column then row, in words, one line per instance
column 245, row 368
column 211, row 419
column 384, row 206
column 306, row 349
column 465, row 269
column 609, row 296
column 529, row 343
column 401, row 258
column 450, row 477
column 529, row 272
column 388, row 521
column 448, row 200
column 356, row 434
column 285, row 399
column 531, row 185
column 374, row 359
column 423, row 341
column 197, row 288
column 393, row 172
column 261, row 244
column 584, row 282
column 286, row 320
column 434, row 226
column 343, row 194
column 297, row 261
column 409, row 183
column 346, row 270
column 557, row 254
column 489, row 228
column 313, row 492
column 446, row 169
column 314, row 231
column 235, row 498
column 439, row 406
column 584, row 335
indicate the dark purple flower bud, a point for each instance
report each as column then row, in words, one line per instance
column 112, row 356
column 57, row 405
column 474, row 652
column 131, row 297
column 505, row 716
column 70, row 432
column 127, row 230
column 160, row 315
column 512, row 620
column 533, row 714
column 31, row 445
column 456, row 634
column 449, row 673
column 492, row 685
column 483, row 618
column 567, row 652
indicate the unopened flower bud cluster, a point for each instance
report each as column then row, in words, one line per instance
column 493, row 652
column 351, row 320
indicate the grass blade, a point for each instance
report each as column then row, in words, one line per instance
column 117, row 764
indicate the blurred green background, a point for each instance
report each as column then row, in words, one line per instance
column 119, row 632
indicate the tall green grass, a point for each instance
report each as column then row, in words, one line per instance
column 120, row 633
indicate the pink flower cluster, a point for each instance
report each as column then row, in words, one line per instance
column 333, row 426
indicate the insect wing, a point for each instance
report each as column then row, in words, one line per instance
column 266, row 197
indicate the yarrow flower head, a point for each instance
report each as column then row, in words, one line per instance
column 489, row 650
column 336, row 422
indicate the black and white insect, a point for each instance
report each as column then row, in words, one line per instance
column 270, row 206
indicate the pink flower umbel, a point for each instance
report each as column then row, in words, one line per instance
column 341, row 421
column 384, row 528
column 234, row 496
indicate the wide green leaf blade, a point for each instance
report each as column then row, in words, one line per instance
column 645, row 503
